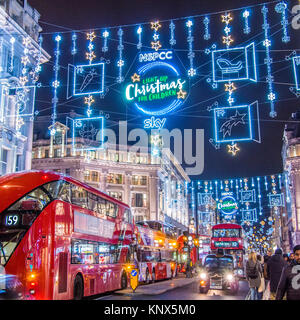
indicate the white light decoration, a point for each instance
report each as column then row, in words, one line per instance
column 191, row 54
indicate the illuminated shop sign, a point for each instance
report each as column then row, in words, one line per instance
column 228, row 204
column 157, row 87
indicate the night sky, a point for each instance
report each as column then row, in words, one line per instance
column 63, row 16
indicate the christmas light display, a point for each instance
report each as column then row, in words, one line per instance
column 120, row 61
column 296, row 68
column 55, row 83
column 232, row 200
column 172, row 34
column 191, row 54
column 206, row 22
column 282, row 8
column 268, row 61
column 246, row 15
column 88, row 133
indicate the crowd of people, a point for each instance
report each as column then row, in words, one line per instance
column 274, row 276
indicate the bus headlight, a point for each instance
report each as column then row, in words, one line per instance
column 203, row 275
column 229, row 277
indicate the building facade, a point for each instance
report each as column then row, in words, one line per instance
column 154, row 187
column 20, row 59
column 291, row 167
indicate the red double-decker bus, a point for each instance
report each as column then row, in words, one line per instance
column 230, row 237
column 156, row 252
column 62, row 239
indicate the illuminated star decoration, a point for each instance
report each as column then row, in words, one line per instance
column 226, row 18
column 90, row 56
column 89, row 100
column 136, row 78
column 233, row 149
column 156, row 45
column 155, row 25
column 227, row 40
column 181, row 94
column 230, row 87
column 91, row 36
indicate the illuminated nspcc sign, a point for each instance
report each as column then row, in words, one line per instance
column 228, row 205
column 156, row 88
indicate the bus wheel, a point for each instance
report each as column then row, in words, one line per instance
column 124, row 281
column 78, row 288
column 153, row 275
column 147, row 277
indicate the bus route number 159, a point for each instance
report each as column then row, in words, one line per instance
column 12, row 220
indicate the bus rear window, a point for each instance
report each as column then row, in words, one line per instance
column 226, row 233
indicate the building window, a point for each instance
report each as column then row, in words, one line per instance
column 114, row 178
column 139, row 200
column 46, row 153
column 3, row 162
column 116, row 194
column 139, row 180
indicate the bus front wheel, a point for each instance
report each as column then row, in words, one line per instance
column 78, row 288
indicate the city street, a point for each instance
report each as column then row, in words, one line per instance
column 188, row 292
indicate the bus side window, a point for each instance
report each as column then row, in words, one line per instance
column 65, row 192
column 93, row 202
column 111, row 209
column 101, row 206
column 79, row 196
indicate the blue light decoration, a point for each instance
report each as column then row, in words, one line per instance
column 276, row 200
column 12, row 50
column 268, row 61
column 172, row 40
column 88, row 134
column 296, row 68
column 191, row 54
column 139, row 33
column 120, row 62
column 206, row 22
column 249, row 215
column 237, row 123
column 281, row 8
column 205, row 198
column 246, row 14
column 234, row 64
column 105, row 36
column 35, row 73
column 88, row 79
column 55, row 84
column 248, row 196
column 156, row 88
column 74, row 44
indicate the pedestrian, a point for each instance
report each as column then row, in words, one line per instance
column 286, row 257
column 253, row 275
column 275, row 266
column 266, row 258
column 292, row 257
column 290, row 279
column 262, row 286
